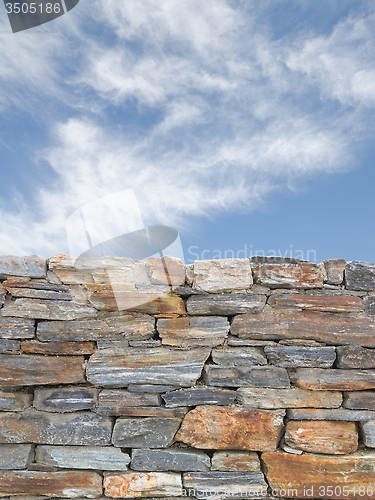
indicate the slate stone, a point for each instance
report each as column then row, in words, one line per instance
column 38, row 427
column 120, row 367
column 16, row 456
column 31, row 293
column 40, row 370
column 14, row 401
column 335, row 270
column 370, row 305
column 193, row 331
column 360, row 400
column 47, row 309
column 114, row 402
column 246, row 376
column 59, row 348
column 235, row 461
column 368, row 432
column 111, row 344
column 331, row 414
column 222, row 275
column 2, row 296
column 65, row 399
column 170, row 459
column 9, row 346
column 27, row 283
column 288, row 398
column 317, row 379
column 288, row 275
column 354, row 356
column 145, row 343
column 323, row 303
column 145, row 433
column 222, row 428
column 360, row 276
column 199, row 396
column 143, row 484
column 31, row 266
column 235, row 357
column 293, row 357
column 234, row 342
column 158, row 389
column 152, row 411
column 166, row 271
column 13, row 328
column 82, row 457
column 224, row 304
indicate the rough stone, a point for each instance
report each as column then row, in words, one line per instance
column 166, row 271
column 161, row 365
column 220, row 428
column 243, row 356
column 317, row 379
column 145, row 433
column 145, row 343
column 65, row 399
column 31, row 293
column 28, row 284
column 15, row 456
column 288, row 398
column 193, row 331
column 289, row 275
column 13, row 328
column 40, row 370
column 360, row 400
column 335, row 270
column 112, row 344
column 235, row 342
column 82, row 457
column 323, row 303
column 331, row 414
column 153, row 411
column 47, row 309
column 114, row 402
column 171, row 459
column 354, row 356
column 222, row 275
column 316, row 436
column 32, row 266
column 14, row 401
column 59, row 348
column 224, row 304
column 246, row 376
column 158, row 389
column 143, row 484
column 370, row 305
column 368, row 432
column 235, row 461
column 360, row 276
column 9, row 346
column 199, row 396
column 293, row 357
column 38, row 427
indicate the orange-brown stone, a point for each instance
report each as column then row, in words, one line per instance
column 59, row 348
column 289, row 275
column 143, row 484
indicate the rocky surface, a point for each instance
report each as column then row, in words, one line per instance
column 115, row 402
column 222, row 275
column 355, row 357
column 360, row 276
column 235, row 461
column 324, row 303
column 166, row 271
column 288, row 398
column 145, row 432
column 14, row 328
column 32, row 267
column 197, row 396
column 143, row 484
column 48, row 309
column 298, row 356
column 65, row 399
column 15, row 401
column 361, row 400
column 170, row 459
column 289, row 275
column 228, row 304
column 15, row 456
column 246, row 376
column 334, row 269
column 243, row 356
column 368, row 432
column 59, row 348
column 334, row 380
column 331, row 414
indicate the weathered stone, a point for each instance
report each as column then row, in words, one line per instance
column 246, row 376
column 158, row 389
column 324, row 303
column 32, row 266
column 335, row 270
column 65, row 399
column 145, row 343
column 143, row 484
column 14, row 401
column 293, row 357
column 47, row 309
column 316, row 436
column 235, row 461
column 153, row 411
column 234, row 342
column 334, row 414
column 310, row 475
column 2, row 296
column 119, row 327
column 14, row 328
column 146, row 366
column 69, row 484
column 193, row 331
column 170, row 459
column 31, row 293
column 222, row 275
column 331, row 328
column 166, row 271
column 224, row 304
column 360, row 400
column 354, row 356
column 199, row 396
column 59, row 348
column 243, row 356
column 288, row 398
column 38, row 427
column 360, row 276
column 15, row 456
column 288, row 275
column 300, row 342
column 27, row 283
column 317, row 379
column 220, row 428
column 368, row 432
column 370, row 305
column 82, row 457
column 145, row 433
column 114, row 402
column 9, row 346
column 112, row 344
column 40, row 370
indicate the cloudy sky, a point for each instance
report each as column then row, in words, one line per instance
column 246, row 125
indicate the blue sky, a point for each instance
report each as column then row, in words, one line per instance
column 246, row 125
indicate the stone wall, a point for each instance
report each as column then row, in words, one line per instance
column 227, row 378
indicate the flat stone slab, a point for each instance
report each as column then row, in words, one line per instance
column 288, row 398
column 228, row 304
column 360, row 276
column 235, row 461
column 299, row 356
column 157, row 389
column 317, row 379
column 48, row 309
column 288, row 275
column 143, row 484
column 15, row 456
column 14, row 401
column 246, row 376
column 150, row 411
column 235, row 342
column 239, row 356
column 65, row 399
column 331, row 414
column 199, row 396
column 368, row 432
column 170, row 459
column 38, row 427
column 222, row 275
column 9, row 346
column 193, row 331
column 324, row 303
column 360, row 400
column 32, row 266
column 370, row 305
column 114, row 402
column 335, row 270
column 14, row 328
column 145, row 432
column 355, row 357
column 82, row 457
column 166, row 271
column 120, row 367
column 32, row 293
column 59, row 348
column 220, row 428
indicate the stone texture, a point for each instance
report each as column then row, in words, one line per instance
column 193, row 331
column 361, row 400
column 9, row 346
column 368, row 432
column 166, row 271
column 316, row 436
column 317, row 379
column 158, row 389
column 151, row 411
column 48, row 309
column 14, row 328
column 293, row 357
column 288, row 398
column 331, row 414
column 31, row 293
column 15, row 456
column 59, row 348
column 360, row 276
column 170, row 459
column 324, row 303
column 146, row 366
column 354, row 356
column 294, row 472
column 235, row 461
column 370, row 305
column 289, row 275
column 334, row 269
column 14, row 401
column 220, row 428
column 65, row 399
column 235, row 342
column 31, row 266
column 222, row 275
column 115, row 402
column 246, row 376
column 40, row 370
column 145, row 433
column 82, row 457
column 197, row 396
column 38, row 427
column 143, row 484
column 224, row 304
column 243, row 356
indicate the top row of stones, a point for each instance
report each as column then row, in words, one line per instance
column 213, row 276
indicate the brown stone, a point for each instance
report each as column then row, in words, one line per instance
column 59, row 348
column 40, row 370
column 224, row 304
column 47, row 309
column 317, row 436
column 361, row 400
column 354, row 356
column 220, row 428
column 288, row 398
column 222, row 275
column 312, row 476
column 193, row 331
column 317, row 379
column 14, row 401
column 113, row 402
column 143, row 484
column 166, row 271
column 289, row 275
column 235, row 461
column 14, row 328
column 335, row 270
column 323, row 303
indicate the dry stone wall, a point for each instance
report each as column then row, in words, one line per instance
column 223, row 379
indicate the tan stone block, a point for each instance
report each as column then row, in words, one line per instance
column 323, row 303
column 288, row 398
column 335, row 270
column 166, row 271
column 235, row 461
column 317, row 379
column 289, row 275
column 222, row 275
column 142, row 484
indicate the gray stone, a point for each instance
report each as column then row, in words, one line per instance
column 145, row 432
column 30, row 293
column 145, row 343
column 335, row 270
column 317, row 379
column 235, row 461
column 222, row 275
column 14, row 328
column 65, row 399
column 293, row 357
column 224, row 304
column 196, row 331
column 48, row 309
column 288, row 398
column 15, row 456
column 334, row 414
column 9, row 346
column 152, row 411
column 368, row 432
column 14, row 401
column 171, row 459
column 158, row 389
column 360, row 276
column 234, row 342
column 82, row 457
column 31, row 266
column 246, row 376
column 115, row 402
column 199, row 396
column 243, row 356
column 355, row 356
column 360, row 400
column 370, row 305
column 112, row 344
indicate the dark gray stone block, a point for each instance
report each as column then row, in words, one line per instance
column 9, row 346
column 360, row 276
column 16, row 328
column 14, row 401
column 246, row 376
column 65, row 399
column 354, row 356
column 239, row 356
column 145, row 432
column 171, row 459
column 368, row 432
column 299, row 356
column 199, row 396
column 15, row 456
column 227, row 304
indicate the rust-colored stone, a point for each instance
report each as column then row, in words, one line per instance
column 59, row 348
column 324, row 303
column 289, row 275
column 15, row 328
column 220, row 428
column 143, row 484
column 166, row 271
column 235, row 461
column 317, row 379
